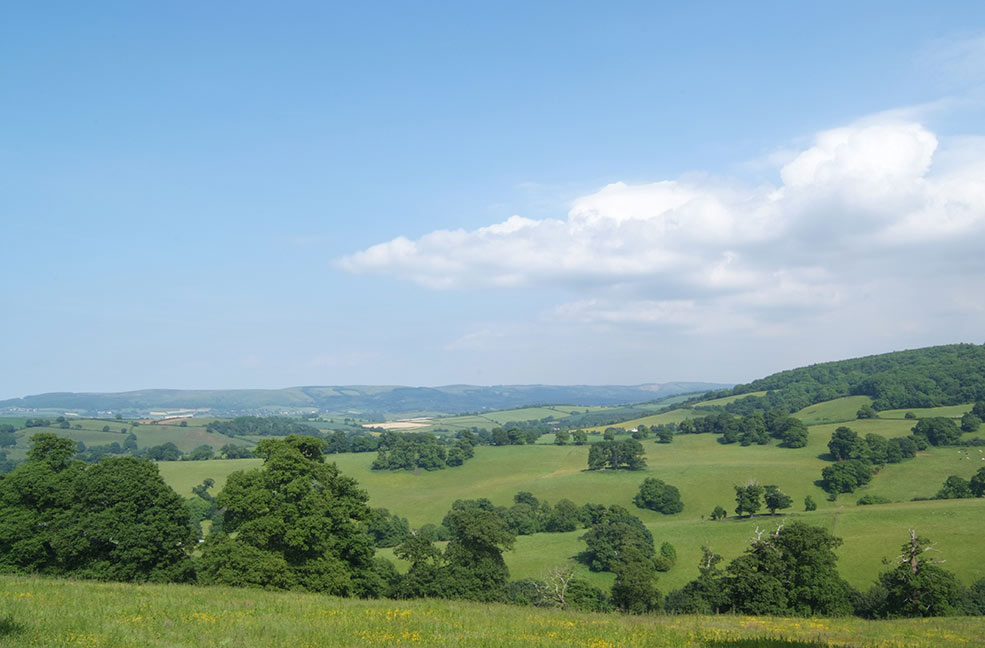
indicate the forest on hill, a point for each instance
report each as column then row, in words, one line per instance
column 927, row 377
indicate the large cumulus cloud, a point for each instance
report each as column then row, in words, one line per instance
column 861, row 209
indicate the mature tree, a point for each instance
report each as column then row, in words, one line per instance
column 845, row 476
column 791, row 571
column 294, row 523
column 747, row 499
column 116, row 520
column 792, row 432
column 201, row 453
column 635, row 588
column 656, row 495
column 665, row 434
column 627, row 453
column 977, row 483
column 563, row 517
column 776, row 499
column 580, row 437
column 970, row 423
column 842, row 442
column 387, row 529
column 561, row 437
column 810, row 504
column 865, row 412
column 978, row 409
column 719, row 513
column 424, row 578
column 918, row 586
column 474, row 567
column 704, row 595
column 938, row 431
column 954, row 487
column 609, row 537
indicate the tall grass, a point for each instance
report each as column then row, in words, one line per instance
column 55, row 613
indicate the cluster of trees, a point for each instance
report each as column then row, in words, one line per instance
column 529, row 515
column 930, row 377
column 857, row 459
column 627, row 454
column 749, row 498
column 617, row 541
column 410, row 451
column 957, row 487
column 278, row 426
column 793, row 572
column 659, row 496
column 340, row 441
column 755, row 428
column 115, row 520
column 577, row 437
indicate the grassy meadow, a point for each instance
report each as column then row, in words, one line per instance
column 705, row 472
column 45, row 612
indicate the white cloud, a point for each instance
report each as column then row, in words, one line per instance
column 861, row 204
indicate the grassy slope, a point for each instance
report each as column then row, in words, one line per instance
column 41, row 612
column 839, row 409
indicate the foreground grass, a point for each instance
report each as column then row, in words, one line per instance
column 42, row 612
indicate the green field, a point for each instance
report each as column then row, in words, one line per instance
column 705, row 472
column 833, row 411
column 721, row 402
column 45, row 612
column 951, row 411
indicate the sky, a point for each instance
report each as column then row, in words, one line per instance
column 261, row 195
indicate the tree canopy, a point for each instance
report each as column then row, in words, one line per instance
column 294, row 523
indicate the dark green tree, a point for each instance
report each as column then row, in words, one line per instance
column 704, row 595
column 719, row 513
column 810, row 504
column 635, row 588
column 865, row 412
column 295, row 523
column 954, row 487
column 938, row 431
column 116, row 520
column 609, row 537
column 656, row 495
column 776, row 499
column 977, row 483
column 561, row 437
column 790, row 572
column 918, row 586
column 747, row 499
column 970, row 423
column 474, row 566
column 843, row 440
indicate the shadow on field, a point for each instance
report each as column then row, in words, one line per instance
column 9, row 627
column 765, row 642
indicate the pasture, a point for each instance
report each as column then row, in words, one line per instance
column 705, row 472
column 46, row 612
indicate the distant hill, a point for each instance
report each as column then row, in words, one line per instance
column 927, row 377
column 361, row 399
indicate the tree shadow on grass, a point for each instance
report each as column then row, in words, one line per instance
column 10, row 627
column 764, row 642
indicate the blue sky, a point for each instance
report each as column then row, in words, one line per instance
column 221, row 195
